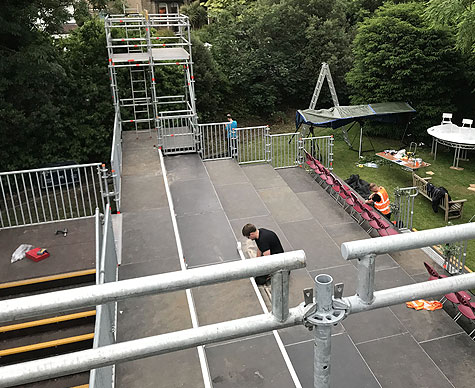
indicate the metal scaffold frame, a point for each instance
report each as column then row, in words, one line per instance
column 323, row 307
column 142, row 42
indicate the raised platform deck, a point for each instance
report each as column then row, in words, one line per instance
column 75, row 252
column 390, row 347
column 159, row 54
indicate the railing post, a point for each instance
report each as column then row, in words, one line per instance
column 268, row 145
column 330, row 154
column 280, row 295
column 366, row 270
column 300, row 155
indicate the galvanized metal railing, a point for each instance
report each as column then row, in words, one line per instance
column 176, row 132
column 106, row 314
column 213, row 138
column 321, row 148
column 403, row 208
column 116, row 159
column 252, row 144
column 285, row 149
column 49, row 194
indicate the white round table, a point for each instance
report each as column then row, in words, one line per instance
column 451, row 135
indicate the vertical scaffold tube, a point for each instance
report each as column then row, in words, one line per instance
column 322, row 345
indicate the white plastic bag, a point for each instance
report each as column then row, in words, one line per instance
column 20, row 252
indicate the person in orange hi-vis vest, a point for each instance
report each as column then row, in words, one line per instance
column 379, row 198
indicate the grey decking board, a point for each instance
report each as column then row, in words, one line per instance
column 241, row 201
column 400, row 362
column 255, row 362
column 149, row 236
column 207, row 238
column 348, row 368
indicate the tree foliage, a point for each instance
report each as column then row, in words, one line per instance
column 271, row 52
column 398, row 57
column 50, row 99
column 196, row 13
column 459, row 14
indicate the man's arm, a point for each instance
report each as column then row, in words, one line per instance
column 259, row 253
column 266, row 253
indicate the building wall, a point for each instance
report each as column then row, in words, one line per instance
column 153, row 6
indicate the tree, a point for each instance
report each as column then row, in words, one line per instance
column 398, row 57
column 271, row 51
column 40, row 89
column 89, row 109
column 211, row 87
column 459, row 14
column 196, row 13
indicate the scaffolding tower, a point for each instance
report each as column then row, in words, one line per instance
column 138, row 44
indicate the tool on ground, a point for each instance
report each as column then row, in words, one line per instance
column 64, row 232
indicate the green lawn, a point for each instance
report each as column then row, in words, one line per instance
column 391, row 176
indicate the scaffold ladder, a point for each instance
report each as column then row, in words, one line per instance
column 138, row 81
column 324, row 73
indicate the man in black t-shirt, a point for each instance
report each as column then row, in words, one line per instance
column 267, row 244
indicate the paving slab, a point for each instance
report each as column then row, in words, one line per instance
column 454, row 355
column 254, row 362
column 298, row 180
column 263, row 176
column 141, row 162
column 400, row 362
column 412, row 261
column 426, row 325
column 226, row 301
column 195, row 196
column 390, row 278
column 172, row 370
column 132, row 140
column 148, row 235
column 241, row 200
column 323, row 208
column 207, row 238
column 146, row 268
column 184, row 167
column 371, row 325
column 345, row 232
column 142, row 192
column 348, row 369
column 284, row 205
column 320, row 250
column 225, row 172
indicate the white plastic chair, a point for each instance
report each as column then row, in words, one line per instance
column 446, row 118
column 467, row 123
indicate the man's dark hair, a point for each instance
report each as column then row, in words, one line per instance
column 248, row 229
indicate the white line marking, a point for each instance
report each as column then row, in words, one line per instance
column 280, row 344
column 189, row 296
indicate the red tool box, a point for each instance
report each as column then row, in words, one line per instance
column 37, row 254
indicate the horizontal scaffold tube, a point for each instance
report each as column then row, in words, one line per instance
column 406, row 241
column 392, row 296
column 66, row 364
column 58, row 301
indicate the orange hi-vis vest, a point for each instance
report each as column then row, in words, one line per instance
column 383, row 205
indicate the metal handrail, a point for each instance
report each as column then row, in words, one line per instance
column 53, row 302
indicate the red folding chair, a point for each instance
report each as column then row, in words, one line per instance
column 465, row 309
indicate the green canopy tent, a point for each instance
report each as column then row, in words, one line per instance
column 339, row 116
